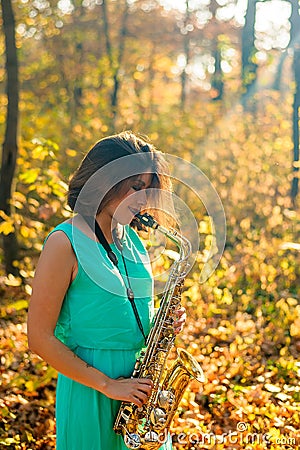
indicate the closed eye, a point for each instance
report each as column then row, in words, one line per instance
column 139, row 185
column 136, row 188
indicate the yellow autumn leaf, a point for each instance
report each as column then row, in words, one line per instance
column 295, row 327
column 272, row 388
column 71, row 152
column 30, row 386
column 6, row 227
column 10, row 280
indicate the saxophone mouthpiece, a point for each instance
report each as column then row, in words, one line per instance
column 147, row 220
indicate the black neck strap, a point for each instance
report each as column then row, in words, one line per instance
column 92, row 222
column 101, row 238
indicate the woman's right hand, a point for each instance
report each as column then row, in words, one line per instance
column 132, row 390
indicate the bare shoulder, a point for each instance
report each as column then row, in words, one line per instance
column 58, row 249
column 54, row 273
column 58, row 239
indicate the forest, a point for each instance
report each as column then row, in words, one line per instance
column 216, row 84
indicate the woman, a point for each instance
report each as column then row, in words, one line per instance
column 82, row 319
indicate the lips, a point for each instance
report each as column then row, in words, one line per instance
column 134, row 211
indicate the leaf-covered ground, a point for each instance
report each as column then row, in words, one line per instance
column 27, row 384
column 250, row 400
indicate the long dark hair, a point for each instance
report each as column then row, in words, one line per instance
column 102, row 154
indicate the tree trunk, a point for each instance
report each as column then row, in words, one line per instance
column 217, row 82
column 121, row 49
column 295, row 44
column 296, row 118
column 151, row 85
column 278, row 75
column 115, row 62
column 75, row 87
column 249, row 66
column 106, row 33
column 217, row 79
column 186, row 51
column 294, row 36
column 10, row 147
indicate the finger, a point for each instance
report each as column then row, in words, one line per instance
column 144, row 388
column 180, row 311
column 136, row 401
column 181, row 317
column 141, row 396
column 145, row 381
column 139, row 399
column 178, row 328
column 179, row 323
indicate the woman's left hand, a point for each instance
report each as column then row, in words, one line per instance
column 179, row 321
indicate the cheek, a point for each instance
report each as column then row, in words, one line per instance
column 121, row 208
column 124, row 203
column 121, row 203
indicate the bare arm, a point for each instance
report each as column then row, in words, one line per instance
column 54, row 274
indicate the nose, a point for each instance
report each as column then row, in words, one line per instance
column 142, row 198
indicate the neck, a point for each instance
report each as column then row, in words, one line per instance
column 107, row 224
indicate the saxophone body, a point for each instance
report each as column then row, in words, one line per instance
column 147, row 427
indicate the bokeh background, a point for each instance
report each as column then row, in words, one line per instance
column 217, row 83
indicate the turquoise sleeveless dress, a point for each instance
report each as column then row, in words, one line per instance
column 97, row 323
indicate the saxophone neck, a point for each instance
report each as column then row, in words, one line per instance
column 182, row 243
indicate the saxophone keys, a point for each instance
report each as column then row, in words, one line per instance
column 151, row 436
column 165, row 399
column 132, row 440
column 126, row 413
column 158, row 417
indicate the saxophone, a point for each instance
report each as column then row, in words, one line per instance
column 147, row 427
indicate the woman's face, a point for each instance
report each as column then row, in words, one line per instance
column 123, row 210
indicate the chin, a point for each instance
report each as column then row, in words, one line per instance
column 125, row 216
column 125, row 220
